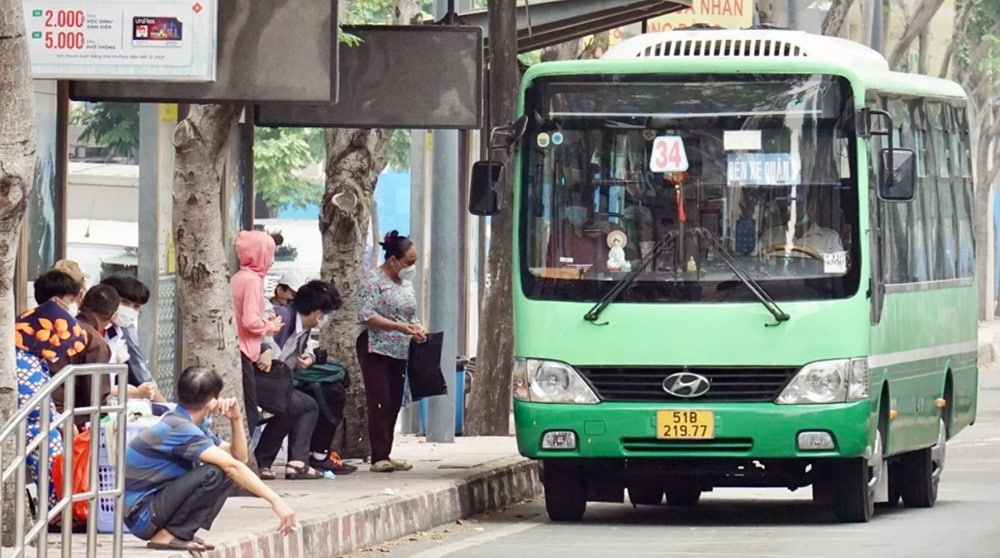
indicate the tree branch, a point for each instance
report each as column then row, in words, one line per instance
column 961, row 23
column 917, row 25
column 833, row 23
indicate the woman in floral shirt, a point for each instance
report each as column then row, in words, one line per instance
column 43, row 335
column 387, row 318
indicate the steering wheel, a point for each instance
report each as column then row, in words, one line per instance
column 800, row 248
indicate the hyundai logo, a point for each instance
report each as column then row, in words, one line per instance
column 686, row 385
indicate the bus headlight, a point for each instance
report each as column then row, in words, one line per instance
column 547, row 381
column 828, row 381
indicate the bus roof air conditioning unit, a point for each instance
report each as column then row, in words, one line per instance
column 747, row 43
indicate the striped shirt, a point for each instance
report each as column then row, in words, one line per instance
column 160, row 454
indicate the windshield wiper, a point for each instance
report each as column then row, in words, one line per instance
column 594, row 313
column 743, row 275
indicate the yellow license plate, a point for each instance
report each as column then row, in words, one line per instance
column 685, row 425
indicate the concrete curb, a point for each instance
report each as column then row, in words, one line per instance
column 358, row 525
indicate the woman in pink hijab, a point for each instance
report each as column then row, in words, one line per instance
column 255, row 250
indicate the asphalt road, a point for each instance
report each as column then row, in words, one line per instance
column 753, row 523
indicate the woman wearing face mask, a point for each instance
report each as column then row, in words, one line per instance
column 309, row 439
column 43, row 335
column 387, row 318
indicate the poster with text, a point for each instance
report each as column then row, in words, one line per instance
column 169, row 40
column 721, row 14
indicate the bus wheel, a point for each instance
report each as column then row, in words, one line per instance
column 921, row 472
column 896, row 482
column 823, row 491
column 565, row 492
column 645, row 495
column 856, row 480
column 684, row 497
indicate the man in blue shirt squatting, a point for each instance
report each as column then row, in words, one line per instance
column 178, row 474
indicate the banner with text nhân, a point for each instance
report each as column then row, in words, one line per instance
column 724, row 14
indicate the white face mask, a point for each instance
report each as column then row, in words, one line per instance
column 576, row 215
column 323, row 321
column 126, row 316
column 73, row 309
column 408, row 273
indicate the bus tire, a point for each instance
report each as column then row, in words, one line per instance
column 645, row 495
column 896, row 482
column 856, row 481
column 824, row 493
column 565, row 493
column 921, row 472
column 855, row 498
column 684, row 497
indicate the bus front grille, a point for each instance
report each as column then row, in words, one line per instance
column 726, row 384
column 724, row 445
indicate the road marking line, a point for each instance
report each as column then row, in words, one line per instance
column 476, row 540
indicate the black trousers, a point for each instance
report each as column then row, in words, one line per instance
column 335, row 400
column 298, row 424
column 189, row 502
column 384, row 378
column 249, row 393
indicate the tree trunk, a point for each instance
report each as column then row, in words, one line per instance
column 961, row 21
column 596, row 47
column 987, row 169
column 562, row 51
column 17, row 171
column 772, row 12
column 489, row 408
column 916, row 25
column 923, row 64
column 833, row 23
column 206, row 304
column 354, row 160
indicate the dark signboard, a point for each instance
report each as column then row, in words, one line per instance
column 419, row 76
column 274, row 50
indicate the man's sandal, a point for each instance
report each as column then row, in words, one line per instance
column 266, row 474
column 203, row 543
column 178, row 544
column 301, row 473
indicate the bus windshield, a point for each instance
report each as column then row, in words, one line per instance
column 764, row 164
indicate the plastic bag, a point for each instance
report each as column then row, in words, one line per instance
column 81, row 473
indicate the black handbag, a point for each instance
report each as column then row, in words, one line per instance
column 423, row 367
column 274, row 388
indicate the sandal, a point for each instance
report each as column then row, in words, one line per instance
column 400, row 465
column 177, row 544
column 301, row 473
column 266, row 474
column 203, row 543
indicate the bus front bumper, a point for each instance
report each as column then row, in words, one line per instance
column 741, row 430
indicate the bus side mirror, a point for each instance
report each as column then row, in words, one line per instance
column 485, row 187
column 899, row 175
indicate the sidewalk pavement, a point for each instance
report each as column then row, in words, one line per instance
column 352, row 512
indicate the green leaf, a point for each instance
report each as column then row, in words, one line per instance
column 282, row 157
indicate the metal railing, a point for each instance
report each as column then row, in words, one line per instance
column 33, row 534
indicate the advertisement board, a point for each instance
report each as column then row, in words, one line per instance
column 171, row 40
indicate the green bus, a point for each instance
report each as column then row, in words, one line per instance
column 741, row 259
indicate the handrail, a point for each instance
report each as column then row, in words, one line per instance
column 15, row 468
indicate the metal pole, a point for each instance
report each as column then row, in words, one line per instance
column 149, row 229
column 443, row 286
column 877, row 25
column 410, row 416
